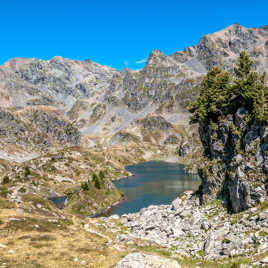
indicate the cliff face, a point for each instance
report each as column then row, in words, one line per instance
column 232, row 111
column 236, row 169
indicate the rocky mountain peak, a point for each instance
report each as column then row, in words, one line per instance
column 155, row 57
column 103, row 101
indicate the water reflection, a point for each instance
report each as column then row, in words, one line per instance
column 155, row 182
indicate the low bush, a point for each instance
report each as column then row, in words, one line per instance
column 5, row 180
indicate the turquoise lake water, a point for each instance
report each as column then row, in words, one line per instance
column 154, row 183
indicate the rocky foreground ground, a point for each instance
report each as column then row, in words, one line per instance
column 205, row 232
column 182, row 234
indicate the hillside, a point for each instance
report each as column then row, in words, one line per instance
column 68, row 128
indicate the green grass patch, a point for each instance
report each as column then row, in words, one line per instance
column 5, row 204
column 37, row 224
column 36, row 199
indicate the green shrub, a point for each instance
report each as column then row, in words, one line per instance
column 101, row 175
column 96, row 181
column 27, row 172
column 4, row 191
column 84, row 186
column 69, row 193
column 263, row 233
column 22, row 190
column 5, row 180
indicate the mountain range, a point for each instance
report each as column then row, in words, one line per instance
column 68, row 102
column 68, row 128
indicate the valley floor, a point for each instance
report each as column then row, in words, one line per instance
column 212, row 238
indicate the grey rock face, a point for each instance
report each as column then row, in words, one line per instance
column 184, row 149
column 155, row 122
column 166, row 83
column 187, row 228
column 36, row 130
column 173, row 139
column 102, row 102
column 237, row 163
column 239, row 193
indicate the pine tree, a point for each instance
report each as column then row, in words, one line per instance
column 243, row 65
column 245, row 82
column 213, row 98
column 260, row 102
column 220, row 95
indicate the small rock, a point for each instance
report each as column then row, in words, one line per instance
column 19, row 211
column 86, row 226
column 186, row 213
column 176, row 203
column 114, row 217
column 205, row 226
column 3, row 246
column 83, row 262
column 238, row 158
column 240, row 174
column 52, row 220
column 265, row 260
column 14, row 219
column 253, row 209
column 209, row 244
column 124, row 220
column 263, row 247
column 11, row 251
column 75, row 259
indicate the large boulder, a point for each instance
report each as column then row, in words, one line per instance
column 141, row 260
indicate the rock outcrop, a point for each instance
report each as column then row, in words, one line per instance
column 141, row 260
column 199, row 231
column 36, row 130
column 236, row 166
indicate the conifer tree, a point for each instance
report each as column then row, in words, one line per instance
column 220, row 95
column 245, row 82
column 260, row 102
column 243, row 65
column 213, row 98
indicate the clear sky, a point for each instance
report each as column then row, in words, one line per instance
column 114, row 32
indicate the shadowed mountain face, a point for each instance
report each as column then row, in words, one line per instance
column 101, row 103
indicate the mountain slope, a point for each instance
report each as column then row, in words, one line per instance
column 100, row 102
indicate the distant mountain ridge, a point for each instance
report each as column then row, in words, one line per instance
column 68, row 128
column 101, row 102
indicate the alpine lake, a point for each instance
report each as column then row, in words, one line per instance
column 153, row 183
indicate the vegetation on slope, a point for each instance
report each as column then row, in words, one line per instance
column 232, row 112
column 221, row 94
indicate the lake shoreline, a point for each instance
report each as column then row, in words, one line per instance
column 108, row 209
column 153, row 182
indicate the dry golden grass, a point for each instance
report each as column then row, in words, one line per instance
column 54, row 245
column 59, row 245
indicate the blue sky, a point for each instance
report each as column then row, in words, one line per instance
column 116, row 33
